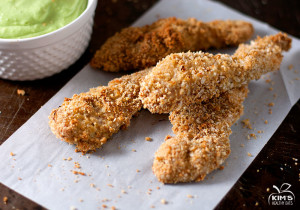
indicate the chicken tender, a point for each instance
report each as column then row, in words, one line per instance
column 140, row 47
column 185, row 78
column 89, row 119
column 201, row 143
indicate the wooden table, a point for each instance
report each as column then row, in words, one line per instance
column 270, row 167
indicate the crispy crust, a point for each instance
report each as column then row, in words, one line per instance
column 201, row 143
column 89, row 119
column 141, row 47
column 195, row 77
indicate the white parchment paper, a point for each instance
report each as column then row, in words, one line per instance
column 120, row 173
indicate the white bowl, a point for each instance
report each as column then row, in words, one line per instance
column 45, row 55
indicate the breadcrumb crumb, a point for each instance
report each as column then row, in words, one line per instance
column 77, row 165
column 163, row 201
column 260, row 131
column 5, row 199
column 247, row 124
column 78, row 172
column 249, row 154
column 148, row 139
column 291, row 66
column 253, row 135
column 21, row 92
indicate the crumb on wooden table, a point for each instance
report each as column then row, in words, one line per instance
column 20, row 92
column 5, row 199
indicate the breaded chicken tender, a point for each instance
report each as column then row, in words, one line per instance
column 136, row 48
column 201, row 143
column 194, row 77
column 89, row 119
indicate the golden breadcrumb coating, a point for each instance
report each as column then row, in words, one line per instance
column 195, row 77
column 140, row 47
column 201, row 143
column 89, row 119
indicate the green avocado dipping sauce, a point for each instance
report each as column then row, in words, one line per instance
column 30, row 18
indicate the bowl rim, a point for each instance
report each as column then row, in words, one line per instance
column 58, row 33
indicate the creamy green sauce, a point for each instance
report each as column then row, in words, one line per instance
column 30, row 18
